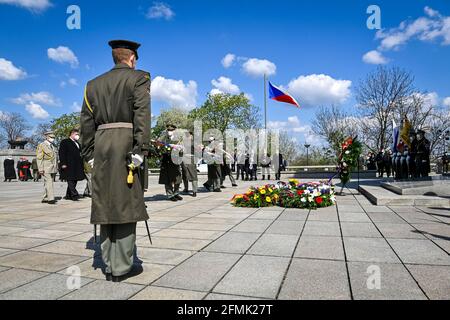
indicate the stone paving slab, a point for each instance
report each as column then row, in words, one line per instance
column 13, row 278
column 104, row 290
column 216, row 296
column 345, row 216
column 50, row 287
column 38, row 261
column 359, row 229
column 233, row 242
column 200, row 273
column 316, row 247
column 4, row 252
column 419, row 252
column 395, row 282
column 160, row 293
column 317, row 280
column 322, row 228
column 255, row 276
column 280, row 245
column 286, row 227
column 173, row 243
column 163, row 256
column 370, row 250
column 69, row 248
column 21, row 243
column 399, row 231
column 434, row 280
column 252, row 226
column 203, row 248
column 194, row 234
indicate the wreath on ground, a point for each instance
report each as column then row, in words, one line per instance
column 294, row 194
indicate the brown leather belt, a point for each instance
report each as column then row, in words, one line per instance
column 115, row 125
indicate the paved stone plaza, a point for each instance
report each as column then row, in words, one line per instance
column 203, row 248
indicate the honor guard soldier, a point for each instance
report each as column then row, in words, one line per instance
column 115, row 133
column 170, row 174
column 46, row 154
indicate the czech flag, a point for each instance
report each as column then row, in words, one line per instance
column 277, row 94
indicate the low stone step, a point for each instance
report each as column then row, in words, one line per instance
column 383, row 197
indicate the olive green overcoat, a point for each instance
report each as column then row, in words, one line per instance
column 121, row 95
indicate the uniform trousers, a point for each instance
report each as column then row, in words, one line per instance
column 117, row 243
column 172, row 189
column 48, row 187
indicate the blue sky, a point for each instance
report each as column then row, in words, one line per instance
column 314, row 49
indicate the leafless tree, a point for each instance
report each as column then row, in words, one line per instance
column 289, row 147
column 334, row 125
column 379, row 98
column 38, row 135
column 13, row 125
column 437, row 123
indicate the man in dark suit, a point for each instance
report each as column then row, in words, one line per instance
column 71, row 164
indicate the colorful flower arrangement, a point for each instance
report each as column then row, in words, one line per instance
column 310, row 195
column 348, row 159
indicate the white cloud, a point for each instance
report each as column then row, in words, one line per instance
column 258, row 67
column 432, row 26
column 63, row 55
column 36, row 111
column 446, row 102
column 228, row 60
column 71, row 81
column 76, row 107
column 293, row 125
column 43, row 97
column 160, row 10
column 10, row 72
column 175, row 93
column 32, row 5
column 374, row 57
column 431, row 99
column 224, row 85
column 319, row 89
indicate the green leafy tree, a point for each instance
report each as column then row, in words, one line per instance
column 226, row 111
column 62, row 125
column 175, row 116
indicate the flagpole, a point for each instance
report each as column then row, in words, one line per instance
column 265, row 101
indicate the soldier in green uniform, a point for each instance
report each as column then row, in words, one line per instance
column 46, row 156
column 170, row 172
column 115, row 129
column 189, row 165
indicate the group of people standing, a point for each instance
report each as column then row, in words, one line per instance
column 26, row 170
column 409, row 160
column 221, row 164
column 72, row 168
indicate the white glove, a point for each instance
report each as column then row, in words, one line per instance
column 91, row 163
column 136, row 159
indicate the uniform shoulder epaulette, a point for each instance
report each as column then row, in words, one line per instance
column 144, row 73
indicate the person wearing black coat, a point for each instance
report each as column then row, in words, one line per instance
column 71, row 164
column 9, row 170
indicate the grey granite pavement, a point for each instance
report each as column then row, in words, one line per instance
column 203, row 248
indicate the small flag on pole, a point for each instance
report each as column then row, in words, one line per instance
column 277, row 94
